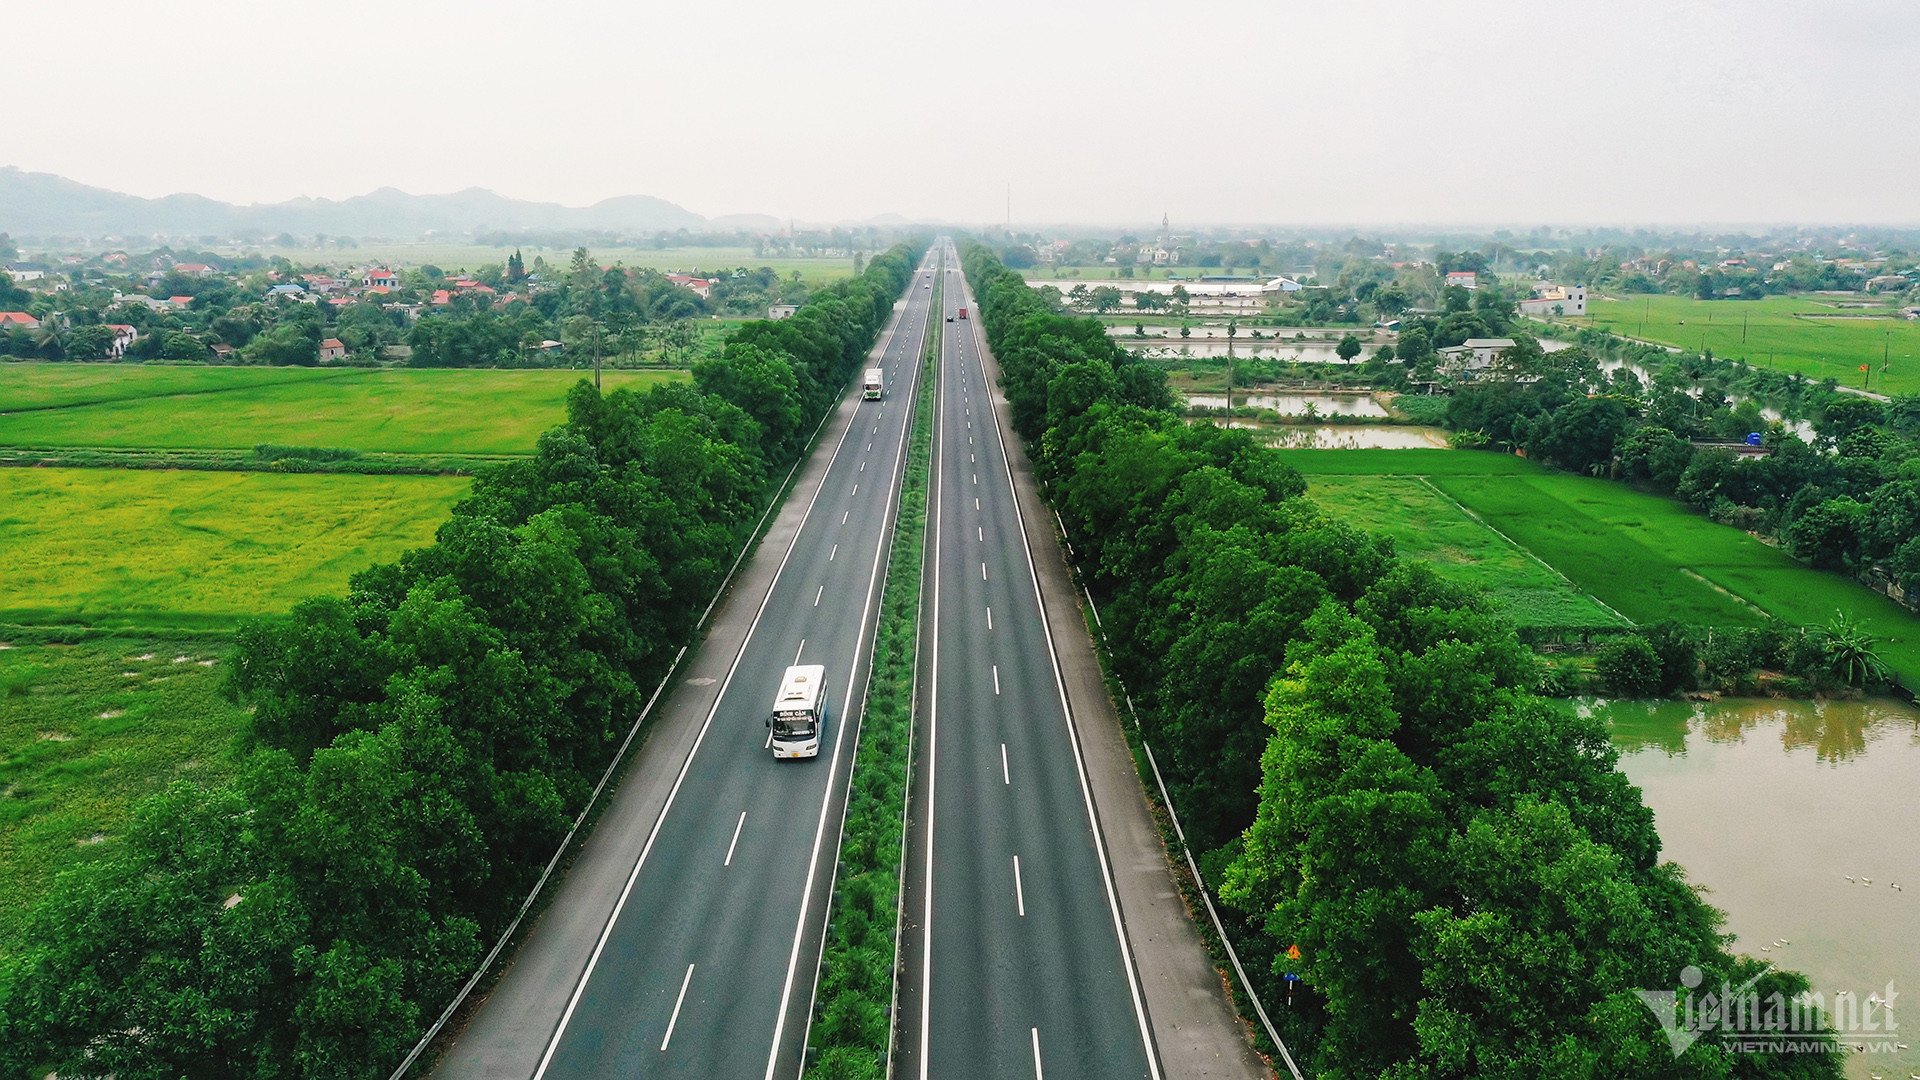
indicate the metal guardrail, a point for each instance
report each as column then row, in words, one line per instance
column 1186, row 852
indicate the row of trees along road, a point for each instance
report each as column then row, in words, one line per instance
column 1474, row 888
column 421, row 744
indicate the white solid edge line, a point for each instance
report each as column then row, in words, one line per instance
column 1086, row 788
column 880, row 552
column 1036, row 1055
column 677, row 1002
column 606, row 932
column 737, row 826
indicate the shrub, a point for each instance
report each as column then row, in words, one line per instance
column 1628, row 666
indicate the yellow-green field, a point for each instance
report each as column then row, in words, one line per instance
column 412, row 410
column 155, row 549
column 1810, row 334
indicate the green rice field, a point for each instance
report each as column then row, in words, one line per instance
column 156, row 550
column 1810, row 334
column 1485, row 518
column 413, row 410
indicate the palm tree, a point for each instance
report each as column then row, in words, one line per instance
column 1850, row 652
column 50, row 341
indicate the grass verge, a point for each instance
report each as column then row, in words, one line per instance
column 853, row 1021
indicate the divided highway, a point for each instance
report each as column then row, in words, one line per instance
column 1016, row 956
column 685, row 941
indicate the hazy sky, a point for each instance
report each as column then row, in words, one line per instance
column 1110, row 111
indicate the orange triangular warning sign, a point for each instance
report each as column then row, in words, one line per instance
column 1293, row 952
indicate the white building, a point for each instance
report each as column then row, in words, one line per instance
column 1567, row 300
column 782, row 311
column 1475, row 354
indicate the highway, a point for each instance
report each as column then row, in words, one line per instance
column 1015, row 955
column 702, row 961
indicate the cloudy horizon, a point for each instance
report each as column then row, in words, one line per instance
column 1448, row 114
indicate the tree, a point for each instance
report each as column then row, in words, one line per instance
column 1105, row 298
column 1628, row 666
column 1348, row 348
column 1580, row 435
column 1414, row 346
column 1830, row 534
column 90, row 342
column 1655, row 455
column 516, row 268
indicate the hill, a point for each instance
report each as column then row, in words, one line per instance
column 34, row 204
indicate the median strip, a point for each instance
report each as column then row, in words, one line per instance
column 852, row 1030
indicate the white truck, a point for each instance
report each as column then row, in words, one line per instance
column 799, row 712
column 870, row 386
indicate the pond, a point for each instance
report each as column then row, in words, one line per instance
column 1799, row 818
column 1343, row 436
column 1288, row 351
column 1295, row 404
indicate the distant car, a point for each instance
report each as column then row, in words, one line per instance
column 927, row 286
column 949, row 318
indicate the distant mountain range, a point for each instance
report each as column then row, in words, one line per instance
column 36, row 204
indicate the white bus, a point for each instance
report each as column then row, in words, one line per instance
column 870, row 387
column 799, row 712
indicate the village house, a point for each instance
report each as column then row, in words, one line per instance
column 380, row 278
column 179, row 303
column 332, row 349
column 287, row 289
column 782, row 311
column 123, row 336
column 700, row 286
column 193, row 269
column 1888, row 283
column 1567, row 300
column 18, row 320
column 1466, row 279
column 1281, row 285
column 150, row 303
column 22, row 274
column 1474, row 354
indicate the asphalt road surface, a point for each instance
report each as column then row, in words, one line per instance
column 702, row 962
column 1016, row 956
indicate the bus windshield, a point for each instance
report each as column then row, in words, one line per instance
column 793, row 725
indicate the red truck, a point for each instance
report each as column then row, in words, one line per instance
column 963, row 313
